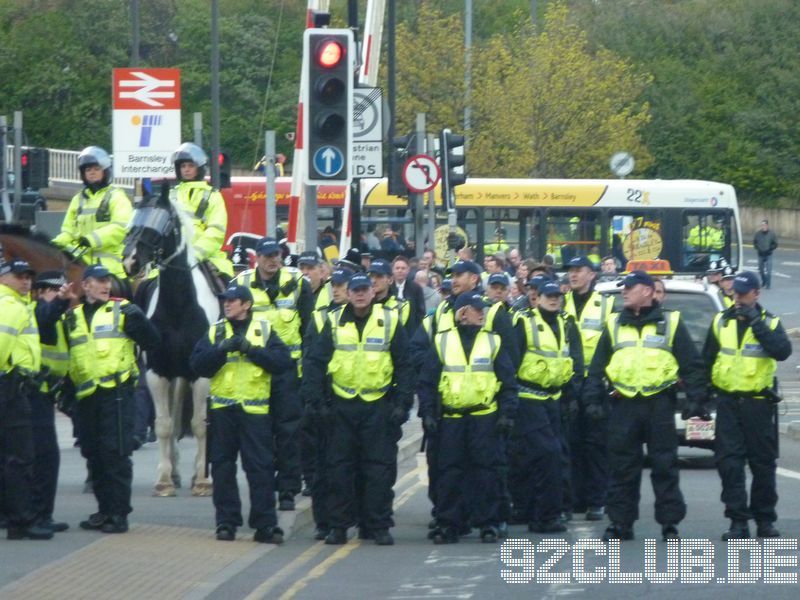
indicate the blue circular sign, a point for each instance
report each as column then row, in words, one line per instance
column 328, row 161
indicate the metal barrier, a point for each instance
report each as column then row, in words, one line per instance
column 64, row 168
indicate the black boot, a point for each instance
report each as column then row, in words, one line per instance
column 669, row 532
column 767, row 530
column 95, row 522
column 336, row 537
column 738, row 530
column 115, row 524
column 226, row 533
column 552, row 526
column 286, row 501
column 447, row 535
column 489, row 535
column 269, row 535
column 618, row 531
column 594, row 513
column 382, row 537
column 31, row 532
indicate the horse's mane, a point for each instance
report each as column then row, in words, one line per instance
column 21, row 231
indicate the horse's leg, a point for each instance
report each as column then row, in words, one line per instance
column 201, row 484
column 178, row 390
column 159, row 390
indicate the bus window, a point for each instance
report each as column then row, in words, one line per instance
column 635, row 237
column 501, row 231
column 704, row 234
column 573, row 233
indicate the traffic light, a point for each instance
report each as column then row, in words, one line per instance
column 224, row 170
column 401, row 149
column 448, row 161
column 35, row 168
column 328, row 105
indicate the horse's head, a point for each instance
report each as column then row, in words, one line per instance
column 154, row 235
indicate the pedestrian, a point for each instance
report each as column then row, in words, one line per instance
column 283, row 297
column 643, row 352
column 20, row 365
column 102, row 334
column 765, row 242
column 408, row 290
column 470, row 371
column 742, row 348
column 362, row 355
column 52, row 298
column 204, row 205
column 552, row 364
column 240, row 355
column 95, row 223
column 587, row 437
column 608, row 269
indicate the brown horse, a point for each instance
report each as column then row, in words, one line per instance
column 18, row 242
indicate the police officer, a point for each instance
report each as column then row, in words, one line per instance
column 102, row 334
column 742, row 348
column 587, row 437
column 643, row 351
column 53, row 297
column 470, row 369
column 497, row 291
column 727, row 275
column 364, row 352
column 95, row 224
column 20, row 363
column 240, row 355
column 204, row 205
column 316, row 430
column 552, row 360
column 380, row 273
column 284, row 298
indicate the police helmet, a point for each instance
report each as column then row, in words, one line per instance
column 95, row 155
column 193, row 153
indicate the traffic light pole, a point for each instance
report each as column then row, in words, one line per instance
column 269, row 171
column 419, row 199
column 17, row 165
column 431, row 205
column 3, row 177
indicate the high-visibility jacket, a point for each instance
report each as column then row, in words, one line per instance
column 546, row 365
column 642, row 363
column 495, row 247
column 240, row 381
column 206, row 207
column 362, row 365
column 491, row 313
column 324, row 296
column 55, row 357
column 403, row 307
column 706, row 238
column 468, row 385
column 100, row 354
column 593, row 318
column 282, row 313
column 19, row 334
column 741, row 367
column 101, row 217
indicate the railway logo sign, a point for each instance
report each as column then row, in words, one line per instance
column 146, row 121
column 421, row 173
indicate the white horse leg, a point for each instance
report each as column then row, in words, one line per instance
column 178, row 390
column 159, row 390
column 201, row 484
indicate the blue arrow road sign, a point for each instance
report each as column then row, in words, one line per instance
column 328, row 161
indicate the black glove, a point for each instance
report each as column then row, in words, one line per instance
column 504, row 426
column 230, row 344
column 430, row 425
column 244, row 345
column 398, row 416
column 750, row 313
column 129, row 309
column 84, row 242
column 595, row 411
column 695, row 409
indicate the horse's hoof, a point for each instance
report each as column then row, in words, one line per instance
column 164, row 490
column 176, row 481
column 202, row 489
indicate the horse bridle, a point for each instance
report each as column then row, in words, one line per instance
column 170, row 225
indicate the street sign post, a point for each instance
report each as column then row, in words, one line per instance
column 622, row 164
column 421, row 173
column 146, row 121
column 367, row 157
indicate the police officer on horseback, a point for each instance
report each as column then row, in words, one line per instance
column 203, row 204
column 95, row 224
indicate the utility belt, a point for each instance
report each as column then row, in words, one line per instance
column 27, row 382
column 767, row 394
column 526, row 387
column 460, row 412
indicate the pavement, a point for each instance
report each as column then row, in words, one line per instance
column 170, row 550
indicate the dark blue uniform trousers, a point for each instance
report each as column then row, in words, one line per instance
column 47, row 457
column 633, row 422
column 235, row 432
column 589, row 461
column 16, row 454
column 536, row 461
column 468, row 463
column 361, row 464
column 287, row 412
column 746, row 432
column 106, row 435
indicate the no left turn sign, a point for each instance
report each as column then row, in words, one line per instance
column 421, row 173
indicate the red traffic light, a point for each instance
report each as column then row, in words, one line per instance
column 24, row 160
column 329, row 54
column 221, row 159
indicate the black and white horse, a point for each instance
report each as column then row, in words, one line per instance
column 181, row 303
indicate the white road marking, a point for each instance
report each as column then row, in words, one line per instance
column 789, row 263
column 787, row 473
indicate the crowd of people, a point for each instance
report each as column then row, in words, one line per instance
column 535, row 396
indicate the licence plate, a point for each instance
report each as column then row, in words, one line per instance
column 699, row 430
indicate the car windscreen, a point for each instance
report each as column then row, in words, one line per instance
column 697, row 312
